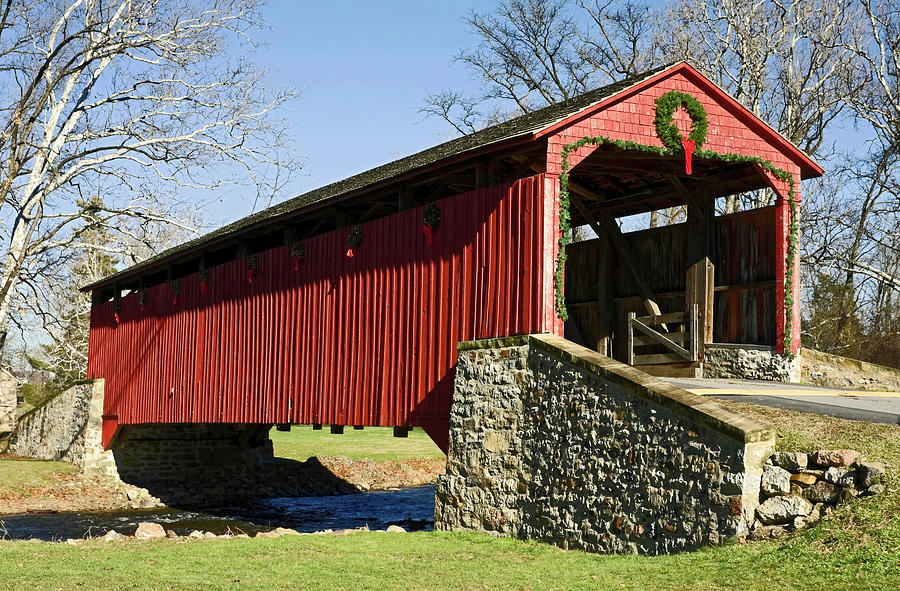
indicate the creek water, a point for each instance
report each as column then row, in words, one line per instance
column 410, row 508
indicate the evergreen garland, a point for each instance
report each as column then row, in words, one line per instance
column 779, row 173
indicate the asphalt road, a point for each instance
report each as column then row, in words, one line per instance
column 874, row 407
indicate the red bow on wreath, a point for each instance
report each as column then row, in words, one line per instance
column 688, row 151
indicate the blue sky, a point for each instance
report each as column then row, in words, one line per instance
column 364, row 69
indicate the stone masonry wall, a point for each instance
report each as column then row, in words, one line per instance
column 552, row 441
column 201, row 463
column 66, row 428
column 8, row 387
column 749, row 362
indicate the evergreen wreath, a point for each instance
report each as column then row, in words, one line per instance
column 354, row 238
column 298, row 250
column 432, row 216
column 667, row 130
column 176, row 288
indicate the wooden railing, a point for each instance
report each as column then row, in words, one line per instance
column 678, row 335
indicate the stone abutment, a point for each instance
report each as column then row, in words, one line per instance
column 554, row 442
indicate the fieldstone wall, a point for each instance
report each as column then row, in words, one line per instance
column 834, row 371
column 552, row 441
column 8, row 387
column 749, row 362
column 66, row 428
column 202, row 464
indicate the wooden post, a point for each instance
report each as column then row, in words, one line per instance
column 630, row 343
column 700, row 272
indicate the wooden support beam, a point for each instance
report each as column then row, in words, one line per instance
column 317, row 426
column 609, row 228
column 401, row 431
column 358, row 427
column 337, row 429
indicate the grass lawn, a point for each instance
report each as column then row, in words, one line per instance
column 375, row 443
column 858, row 547
column 19, row 475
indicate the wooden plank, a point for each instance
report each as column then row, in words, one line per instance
column 678, row 337
column 660, row 339
column 675, row 370
column 656, row 358
column 661, row 318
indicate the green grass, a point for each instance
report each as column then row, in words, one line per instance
column 375, row 443
column 19, row 475
column 856, row 548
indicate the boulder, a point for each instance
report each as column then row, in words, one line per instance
column 778, row 510
column 767, row 531
column 835, row 457
column 396, row 529
column 840, row 476
column 868, row 474
column 804, row 479
column 775, row 481
column 113, row 536
column 822, row 492
column 875, row 489
column 170, row 533
column 195, row 534
column 793, row 461
column 284, row 531
column 147, row 530
column 268, row 534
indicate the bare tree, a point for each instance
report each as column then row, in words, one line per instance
column 109, row 106
column 534, row 53
column 784, row 61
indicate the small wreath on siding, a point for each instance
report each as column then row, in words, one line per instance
column 353, row 240
column 252, row 268
column 176, row 291
column 430, row 221
column 298, row 253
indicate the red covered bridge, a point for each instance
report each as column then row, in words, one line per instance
column 344, row 305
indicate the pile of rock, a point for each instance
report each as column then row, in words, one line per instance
column 148, row 530
column 797, row 489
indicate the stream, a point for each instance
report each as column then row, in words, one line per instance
column 410, row 508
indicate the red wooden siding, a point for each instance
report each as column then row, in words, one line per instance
column 367, row 340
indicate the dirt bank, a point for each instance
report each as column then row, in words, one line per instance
column 55, row 487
